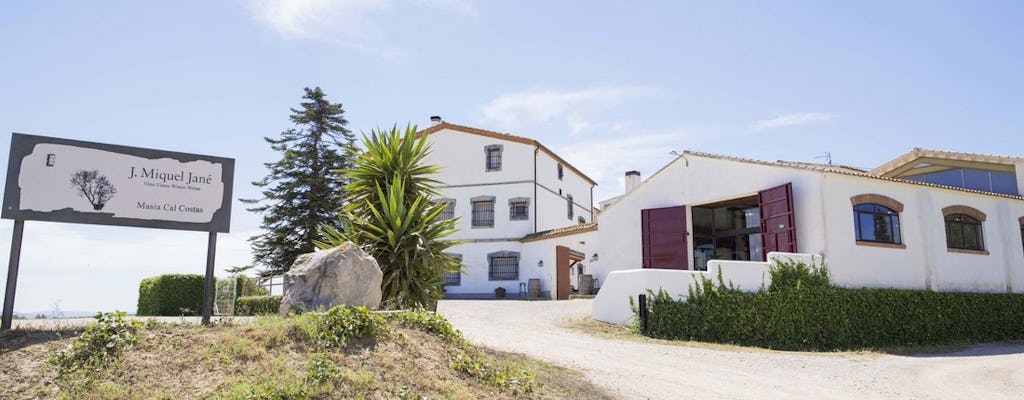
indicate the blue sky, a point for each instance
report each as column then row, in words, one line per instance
column 611, row 86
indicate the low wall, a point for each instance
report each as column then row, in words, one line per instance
column 612, row 302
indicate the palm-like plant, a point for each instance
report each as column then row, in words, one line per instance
column 391, row 216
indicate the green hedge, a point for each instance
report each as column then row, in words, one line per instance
column 803, row 314
column 257, row 305
column 171, row 295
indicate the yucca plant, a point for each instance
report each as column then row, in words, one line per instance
column 390, row 214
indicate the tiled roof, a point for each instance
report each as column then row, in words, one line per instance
column 833, row 166
column 919, row 153
column 832, row 169
column 559, row 232
column 503, row 136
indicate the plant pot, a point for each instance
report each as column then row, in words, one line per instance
column 99, row 206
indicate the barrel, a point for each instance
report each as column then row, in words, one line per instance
column 586, row 284
column 533, row 289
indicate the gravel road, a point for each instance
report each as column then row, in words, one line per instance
column 645, row 370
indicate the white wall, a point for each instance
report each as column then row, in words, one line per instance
column 464, row 176
column 695, row 180
column 925, row 263
column 612, row 302
column 824, row 222
column 552, row 194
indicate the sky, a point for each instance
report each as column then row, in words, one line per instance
column 609, row 86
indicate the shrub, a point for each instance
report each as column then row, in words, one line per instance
column 257, row 305
column 428, row 322
column 101, row 341
column 340, row 324
column 800, row 313
column 171, row 295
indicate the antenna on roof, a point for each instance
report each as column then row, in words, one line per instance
column 827, row 156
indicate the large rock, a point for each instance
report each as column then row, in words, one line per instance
column 342, row 275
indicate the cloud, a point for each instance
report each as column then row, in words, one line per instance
column 344, row 22
column 514, row 110
column 349, row 23
column 795, row 119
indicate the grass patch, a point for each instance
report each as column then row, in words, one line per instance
column 341, row 353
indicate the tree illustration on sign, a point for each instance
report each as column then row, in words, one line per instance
column 94, row 187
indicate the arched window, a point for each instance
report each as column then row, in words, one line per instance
column 876, row 223
column 964, row 233
column 963, row 229
column 1021, row 220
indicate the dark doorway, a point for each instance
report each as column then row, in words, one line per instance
column 565, row 260
column 728, row 230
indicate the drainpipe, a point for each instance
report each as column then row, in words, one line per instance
column 591, row 203
column 536, row 211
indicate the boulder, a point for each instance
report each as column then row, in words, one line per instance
column 323, row 279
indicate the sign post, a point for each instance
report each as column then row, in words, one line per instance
column 63, row 180
column 12, row 274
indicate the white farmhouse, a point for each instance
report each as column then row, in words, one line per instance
column 928, row 219
column 523, row 212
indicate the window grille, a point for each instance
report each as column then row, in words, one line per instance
column 504, row 268
column 453, row 278
column 493, row 157
column 568, row 200
column 561, row 173
column 449, row 209
column 519, row 209
column 483, row 213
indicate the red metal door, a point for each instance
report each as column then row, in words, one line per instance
column 778, row 228
column 663, row 231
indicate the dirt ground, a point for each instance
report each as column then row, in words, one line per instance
column 652, row 369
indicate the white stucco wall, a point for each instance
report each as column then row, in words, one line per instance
column 552, row 193
column 612, row 302
column 925, row 263
column 464, row 176
column 693, row 181
column 824, row 222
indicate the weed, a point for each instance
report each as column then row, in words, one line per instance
column 101, row 341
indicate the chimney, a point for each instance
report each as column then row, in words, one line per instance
column 632, row 180
column 435, row 120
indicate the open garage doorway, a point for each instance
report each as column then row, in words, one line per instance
column 727, row 230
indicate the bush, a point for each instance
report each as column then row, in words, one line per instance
column 340, row 324
column 257, row 305
column 171, row 295
column 796, row 315
column 101, row 341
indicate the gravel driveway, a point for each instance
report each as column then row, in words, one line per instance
column 635, row 370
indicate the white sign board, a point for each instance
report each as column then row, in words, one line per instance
column 54, row 179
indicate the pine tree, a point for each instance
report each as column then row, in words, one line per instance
column 302, row 190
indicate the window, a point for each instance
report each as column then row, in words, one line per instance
column 519, row 209
column 568, row 202
column 876, row 223
column 453, row 278
column 963, row 233
column 561, row 173
column 1021, row 230
column 963, row 228
column 503, row 266
column 483, row 212
column 581, row 220
column 449, row 209
column 493, row 157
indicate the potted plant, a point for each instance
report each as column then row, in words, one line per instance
column 499, row 292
